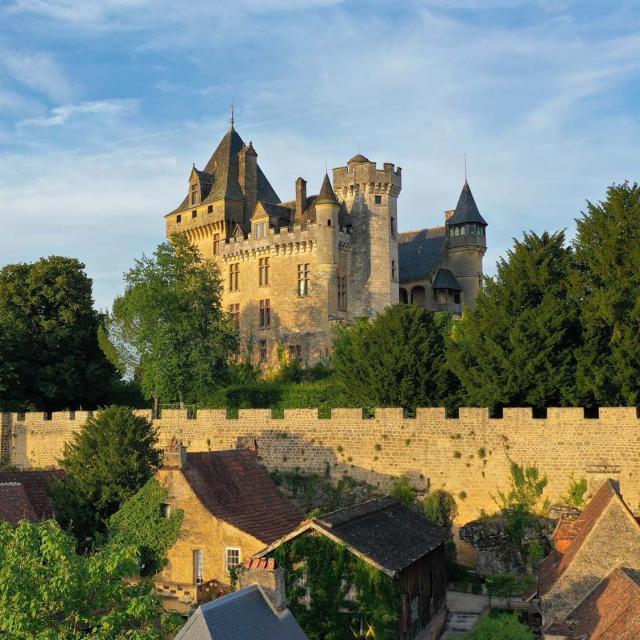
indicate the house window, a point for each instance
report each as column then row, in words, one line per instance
column 234, row 271
column 295, row 352
column 342, row 293
column 165, row 510
column 259, row 230
column 393, row 270
column 194, row 214
column 210, row 209
column 231, row 558
column 198, row 564
column 234, row 312
column 178, row 218
column 378, row 199
column 216, row 244
column 262, row 350
column 303, row 280
column 329, row 222
column 263, row 272
column 194, row 193
column 265, row 314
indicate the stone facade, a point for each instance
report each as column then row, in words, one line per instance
column 469, row 455
column 292, row 269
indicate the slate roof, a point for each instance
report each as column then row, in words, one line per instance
column 222, row 171
column 611, row 611
column 243, row 615
column 358, row 158
column 446, row 280
column 24, row 495
column 552, row 567
column 326, row 194
column 420, row 252
column 466, row 209
column 236, row 489
column 385, row 531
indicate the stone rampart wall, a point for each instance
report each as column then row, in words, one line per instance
column 469, row 455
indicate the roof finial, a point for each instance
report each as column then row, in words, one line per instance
column 326, row 168
column 465, row 167
column 232, row 115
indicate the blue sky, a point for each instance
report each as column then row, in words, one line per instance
column 105, row 104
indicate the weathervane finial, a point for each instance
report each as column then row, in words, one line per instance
column 232, row 114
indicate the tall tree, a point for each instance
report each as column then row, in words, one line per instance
column 607, row 248
column 517, row 347
column 48, row 591
column 169, row 326
column 106, row 462
column 49, row 353
column 395, row 360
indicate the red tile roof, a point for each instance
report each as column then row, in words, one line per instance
column 26, row 495
column 556, row 564
column 611, row 611
column 235, row 488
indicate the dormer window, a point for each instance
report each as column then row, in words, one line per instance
column 194, row 194
column 259, row 230
column 178, row 218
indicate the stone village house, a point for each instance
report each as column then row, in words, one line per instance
column 232, row 509
column 397, row 541
column 292, row 269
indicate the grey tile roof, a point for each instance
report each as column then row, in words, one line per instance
column 385, row 531
column 420, row 252
column 466, row 209
column 243, row 615
column 446, row 280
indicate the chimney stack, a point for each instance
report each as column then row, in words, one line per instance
column 301, row 199
column 263, row 573
column 175, row 455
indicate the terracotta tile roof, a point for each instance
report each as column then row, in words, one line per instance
column 236, row 489
column 611, row 611
column 564, row 534
column 556, row 564
column 34, row 490
column 260, row 563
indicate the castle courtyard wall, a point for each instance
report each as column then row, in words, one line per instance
column 470, row 456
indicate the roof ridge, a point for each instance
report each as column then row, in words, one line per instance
column 384, row 503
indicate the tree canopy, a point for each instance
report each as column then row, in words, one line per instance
column 169, row 327
column 395, row 360
column 48, row 592
column 502, row 627
column 518, row 346
column 106, row 462
column 49, row 353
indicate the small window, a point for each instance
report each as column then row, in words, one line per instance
column 231, row 558
column 194, row 214
column 265, row 314
column 259, row 231
column 178, row 218
column 234, row 275
column 262, row 350
column 378, row 199
column 392, row 227
column 198, row 566
column 295, row 352
column 393, row 270
column 342, row 293
column 329, row 222
column 234, row 312
column 303, row 280
column 216, row 244
column 263, row 272
column 456, row 297
column 194, row 194
column 210, row 209
column 165, row 510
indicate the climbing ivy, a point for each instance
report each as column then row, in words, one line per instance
column 321, row 572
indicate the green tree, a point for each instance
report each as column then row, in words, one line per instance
column 607, row 248
column 169, row 327
column 145, row 522
column 106, row 462
column 49, row 592
column 395, row 360
column 503, row 627
column 518, row 346
column 49, row 353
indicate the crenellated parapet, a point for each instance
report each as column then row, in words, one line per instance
column 366, row 177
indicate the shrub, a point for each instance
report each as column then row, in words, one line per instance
column 503, row 627
column 402, row 489
column 576, row 493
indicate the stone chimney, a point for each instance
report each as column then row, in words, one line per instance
column 175, row 455
column 263, row 573
column 301, row 198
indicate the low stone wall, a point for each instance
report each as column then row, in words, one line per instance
column 469, row 456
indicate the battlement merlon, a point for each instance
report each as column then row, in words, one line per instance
column 364, row 174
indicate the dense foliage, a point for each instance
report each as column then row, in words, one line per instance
column 395, row 360
column 49, row 353
column 502, row 627
column 48, row 592
column 143, row 522
column 106, row 462
column 324, row 571
column 440, row 507
column 169, row 328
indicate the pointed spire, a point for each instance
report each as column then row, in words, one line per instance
column 466, row 209
column 326, row 195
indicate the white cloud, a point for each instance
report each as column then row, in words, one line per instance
column 60, row 115
column 38, row 71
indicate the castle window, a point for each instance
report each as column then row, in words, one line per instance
column 178, row 218
column 194, row 214
column 265, row 314
column 231, row 558
column 234, row 273
column 393, row 270
column 392, row 227
column 194, row 194
column 263, row 272
column 234, row 312
column 259, row 231
column 262, row 350
column 342, row 293
column 216, row 244
column 295, row 352
column 378, row 199
column 303, row 280
column 198, row 566
column 210, row 209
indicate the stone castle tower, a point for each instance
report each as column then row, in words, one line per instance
column 292, row 270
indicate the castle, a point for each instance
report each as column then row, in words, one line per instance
column 293, row 269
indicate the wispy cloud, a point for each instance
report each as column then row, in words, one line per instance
column 60, row 115
column 38, row 71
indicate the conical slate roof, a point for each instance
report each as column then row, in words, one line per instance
column 466, row 209
column 358, row 158
column 326, row 194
